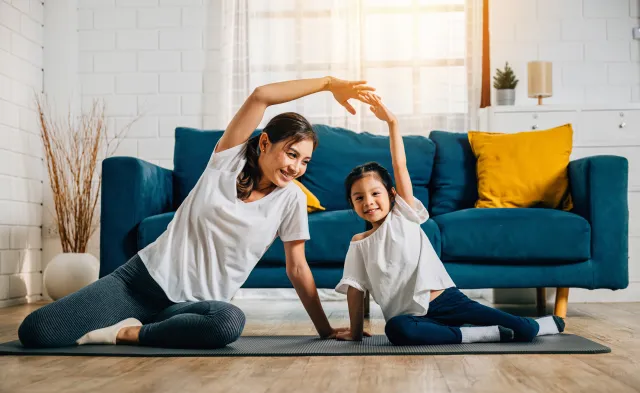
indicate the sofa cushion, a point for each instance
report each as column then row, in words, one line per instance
column 432, row 231
column 330, row 231
column 152, row 227
column 454, row 184
column 340, row 150
column 514, row 236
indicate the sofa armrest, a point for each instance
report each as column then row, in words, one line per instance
column 132, row 190
column 599, row 189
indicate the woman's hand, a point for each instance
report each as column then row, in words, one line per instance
column 346, row 335
column 377, row 107
column 343, row 91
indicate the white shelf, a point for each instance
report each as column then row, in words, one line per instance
column 561, row 108
column 597, row 129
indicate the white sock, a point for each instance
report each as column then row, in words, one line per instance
column 107, row 335
column 480, row 334
column 547, row 326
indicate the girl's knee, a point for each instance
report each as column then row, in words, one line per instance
column 398, row 330
column 528, row 331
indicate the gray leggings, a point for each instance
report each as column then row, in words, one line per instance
column 131, row 292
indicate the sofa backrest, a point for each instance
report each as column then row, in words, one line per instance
column 191, row 153
column 339, row 151
column 454, row 184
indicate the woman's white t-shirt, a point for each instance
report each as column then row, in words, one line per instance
column 215, row 239
column 397, row 263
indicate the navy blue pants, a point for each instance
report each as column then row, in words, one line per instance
column 446, row 314
column 131, row 292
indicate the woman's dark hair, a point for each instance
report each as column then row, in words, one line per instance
column 290, row 127
column 361, row 171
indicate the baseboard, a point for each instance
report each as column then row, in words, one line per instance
column 508, row 296
column 20, row 300
column 283, row 294
column 629, row 294
column 576, row 295
column 326, row 294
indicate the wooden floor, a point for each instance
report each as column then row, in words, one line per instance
column 616, row 325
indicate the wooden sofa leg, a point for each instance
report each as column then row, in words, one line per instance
column 541, row 301
column 562, row 298
column 367, row 300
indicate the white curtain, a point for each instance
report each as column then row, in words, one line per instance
column 423, row 56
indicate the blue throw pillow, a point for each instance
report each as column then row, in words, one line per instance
column 454, row 184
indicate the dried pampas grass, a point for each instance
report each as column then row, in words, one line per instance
column 72, row 152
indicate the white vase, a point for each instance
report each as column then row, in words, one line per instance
column 69, row 272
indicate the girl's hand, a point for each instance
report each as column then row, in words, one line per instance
column 346, row 335
column 334, row 333
column 377, row 107
column 343, row 91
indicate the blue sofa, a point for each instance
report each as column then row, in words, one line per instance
column 481, row 248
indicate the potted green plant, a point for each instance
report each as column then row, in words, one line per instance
column 505, row 83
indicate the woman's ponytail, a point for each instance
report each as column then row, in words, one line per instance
column 250, row 176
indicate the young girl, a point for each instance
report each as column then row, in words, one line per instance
column 396, row 263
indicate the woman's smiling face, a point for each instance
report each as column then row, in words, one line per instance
column 284, row 161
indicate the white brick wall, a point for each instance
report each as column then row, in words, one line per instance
column 145, row 57
column 595, row 60
column 21, row 165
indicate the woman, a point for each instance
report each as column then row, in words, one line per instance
column 174, row 293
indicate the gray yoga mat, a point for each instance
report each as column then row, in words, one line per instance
column 313, row 346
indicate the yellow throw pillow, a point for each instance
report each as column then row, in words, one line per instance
column 313, row 204
column 526, row 169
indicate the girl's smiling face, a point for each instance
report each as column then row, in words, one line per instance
column 370, row 199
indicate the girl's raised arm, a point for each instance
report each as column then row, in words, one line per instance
column 398, row 157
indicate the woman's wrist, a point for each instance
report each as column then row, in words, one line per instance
column 328, row 83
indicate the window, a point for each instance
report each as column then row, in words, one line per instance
column 412, row 51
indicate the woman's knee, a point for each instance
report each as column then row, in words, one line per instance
column 228, row 323
column 32, row 331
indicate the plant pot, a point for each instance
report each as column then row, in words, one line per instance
column 70, row 272
column 505, row 96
